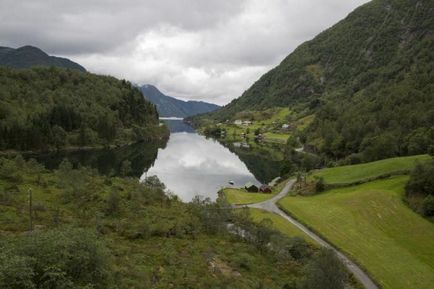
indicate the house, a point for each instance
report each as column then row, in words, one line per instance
column 285, row 126
column 238, row 122
column 265, row 189
column 251, row 188
column 247, row 122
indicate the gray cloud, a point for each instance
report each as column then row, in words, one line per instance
column 211, row 50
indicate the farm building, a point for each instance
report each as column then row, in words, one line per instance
column 265, row 189
column 251, row 188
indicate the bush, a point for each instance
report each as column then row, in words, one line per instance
column 319, row 185
column 428, row 206
column 67, row 258
column 325, row 272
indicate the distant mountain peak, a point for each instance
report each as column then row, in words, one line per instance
column 169, row 106
column 28, row 56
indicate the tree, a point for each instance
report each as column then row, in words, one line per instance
column 325, row 272
column 63, row 258
column 125, row 168
column 113, row 202
column 59, row 136
column 319, row 185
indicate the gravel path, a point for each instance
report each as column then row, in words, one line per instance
column 270, row 206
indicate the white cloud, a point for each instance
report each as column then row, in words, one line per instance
column 211, row 50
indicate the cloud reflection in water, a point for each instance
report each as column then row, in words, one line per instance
column 193, row 165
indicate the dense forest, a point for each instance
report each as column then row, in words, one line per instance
column 368, row 80
column 52, row 108
column 84, row 230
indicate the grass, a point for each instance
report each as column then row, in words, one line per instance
column 279, row 224
column 242, row 197
column 373, row 226
column 276, row 137
column 268, row 121
column 360, row 172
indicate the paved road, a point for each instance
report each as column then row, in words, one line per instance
column 270, row 206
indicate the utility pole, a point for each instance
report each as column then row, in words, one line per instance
column 30, row 211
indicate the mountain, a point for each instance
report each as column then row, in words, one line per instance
column 46, row 108
column 28, row 56
column 168, row 106
column 368, row 80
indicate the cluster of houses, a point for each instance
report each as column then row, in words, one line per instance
column 243, row 122
column 250, row 187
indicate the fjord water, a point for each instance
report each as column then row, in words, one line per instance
column 193, row 165
column 189, row 164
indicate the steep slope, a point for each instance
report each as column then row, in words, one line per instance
column 28, row 56
column 44, row 108
column 368, row 79
column 168, row 106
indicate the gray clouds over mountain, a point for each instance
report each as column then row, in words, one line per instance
column 205, row 50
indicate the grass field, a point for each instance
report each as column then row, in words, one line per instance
column 373, row 226
column 279, row 224
column 276, row 137
column 267, row 121
column 237, row 196
column 360, row 172
column 241, row 197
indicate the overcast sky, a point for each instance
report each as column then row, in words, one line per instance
column 208, row 50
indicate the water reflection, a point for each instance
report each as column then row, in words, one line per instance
column 193, row 165
column 177, row 125
column 264, row 161
column 106, row 161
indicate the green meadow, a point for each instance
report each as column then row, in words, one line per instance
column 368, row 171
column 279, row 223
column 242, row 197
column 372, row 225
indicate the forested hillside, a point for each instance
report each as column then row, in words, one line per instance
column 52, row 108
column 28, row 56
column 91, row 231
column 368, row 79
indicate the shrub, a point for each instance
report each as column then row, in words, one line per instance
column 428, row 206
column 325, row 272
column 319, row 185
column 65, row 258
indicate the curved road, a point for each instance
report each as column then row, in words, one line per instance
column 270, row 206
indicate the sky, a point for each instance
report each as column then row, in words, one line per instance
column 209, row 50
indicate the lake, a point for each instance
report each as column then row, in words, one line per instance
column 193, row 165
column 189, row 164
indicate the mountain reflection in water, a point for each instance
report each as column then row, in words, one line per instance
column 192, row 165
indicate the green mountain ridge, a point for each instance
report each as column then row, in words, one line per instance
column 368, row 79
column 169, row 106
column 46, row 108
column 29, row 56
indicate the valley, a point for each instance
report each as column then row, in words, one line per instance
column 318, row 175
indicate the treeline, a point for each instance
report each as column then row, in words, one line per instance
column 92, row 231
column 46, row 108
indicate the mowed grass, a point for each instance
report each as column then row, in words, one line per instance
column 372, row 225
column 242, row 197
column 276, row 137
column 360, row 172
column 279, row 224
